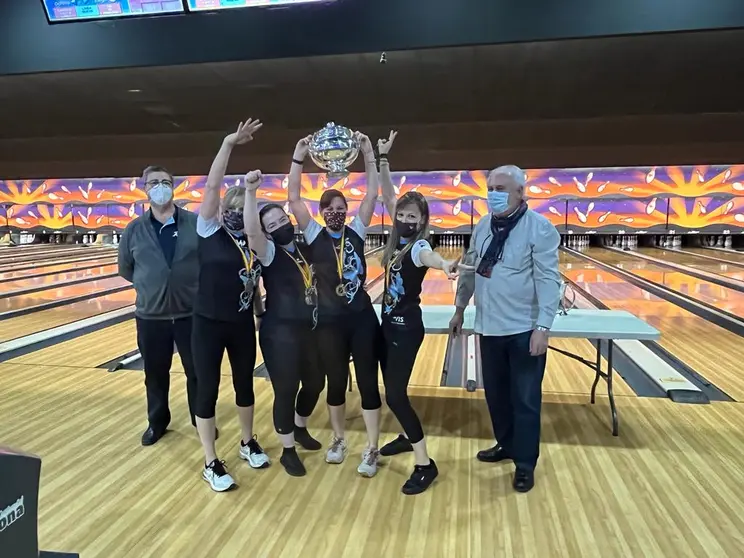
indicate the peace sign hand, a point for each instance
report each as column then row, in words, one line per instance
column 244, row 133
column 385, row 145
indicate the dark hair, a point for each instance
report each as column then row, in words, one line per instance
column 409, row 198
column 155, row 168
column 265, row 208
column 328, row 197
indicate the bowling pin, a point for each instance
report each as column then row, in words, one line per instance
column 728, row 242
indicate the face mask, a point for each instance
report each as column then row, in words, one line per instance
column 233, row 220
column 405, row 230
column 335, row 220
column 283, row 235
column 160, row 194
column 498, row 202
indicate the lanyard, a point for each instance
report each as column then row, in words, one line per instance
column 340, row 255
column 397, row 258
column 305, row 269
column 248, row 265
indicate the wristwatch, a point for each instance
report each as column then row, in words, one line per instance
column 542, row 328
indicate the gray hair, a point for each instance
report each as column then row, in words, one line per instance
column 513, row 172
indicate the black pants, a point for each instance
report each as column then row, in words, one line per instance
column 512, row 379
column 210, row 339
column 290, row 350
column 356, row 336
column 398, row 355
column 155, row 340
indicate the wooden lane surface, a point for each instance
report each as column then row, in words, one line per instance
column 737, row 257
column 35, row 322
column 709, row 349
column 30, row 259
column 55, row 293
column 55, row 267
column 4, row 267
column 57, row 279
column 696, row 262
column 672, row 484
column 89, row 350
column 723, row 298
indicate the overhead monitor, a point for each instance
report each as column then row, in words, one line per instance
column 77, row 10
column 212, row 5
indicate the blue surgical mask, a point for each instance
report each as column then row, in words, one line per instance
column 498, row 202
column 160, row 194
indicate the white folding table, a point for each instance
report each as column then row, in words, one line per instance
column 601, row 325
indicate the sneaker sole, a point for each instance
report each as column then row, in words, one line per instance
column 262, row 466
column 233, row 486
column 366, row 475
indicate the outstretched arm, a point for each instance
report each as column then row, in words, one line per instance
column 367, row 208
column 211, row 202
column 256, row 238
column 386, row 179
column 294, row 185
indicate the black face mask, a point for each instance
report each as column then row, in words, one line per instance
column 284, row 235
column 233, row 220
column 406, row 230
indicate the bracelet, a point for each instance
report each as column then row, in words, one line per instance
column 261, row 315
column 296, row 162
column 383, row 156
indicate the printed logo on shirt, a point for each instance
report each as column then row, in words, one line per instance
column 175, row 234
column 11, row 514
column 352, row 271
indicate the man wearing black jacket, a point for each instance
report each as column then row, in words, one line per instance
column 158, row 254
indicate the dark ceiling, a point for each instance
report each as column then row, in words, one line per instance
column 653, row 99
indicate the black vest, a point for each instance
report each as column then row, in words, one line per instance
column 222, row 293
column 354, row 299
column 401, row 303
column 285, row 289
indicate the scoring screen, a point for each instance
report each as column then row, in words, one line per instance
column 202, row 5
column 75, row 10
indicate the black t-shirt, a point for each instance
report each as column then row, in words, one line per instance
column 324, row 249
column 167, row 234
column 401, row 304
column 284, row 284
column 226, row 287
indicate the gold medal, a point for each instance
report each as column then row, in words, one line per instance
column 388, row 299
column 341, row 290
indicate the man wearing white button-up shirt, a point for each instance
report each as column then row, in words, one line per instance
column 515, row 279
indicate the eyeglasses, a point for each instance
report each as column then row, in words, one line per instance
column 153, row 183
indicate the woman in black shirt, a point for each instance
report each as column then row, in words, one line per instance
column 223, row 313
column 407, row 257
column 286, row 331
column 347, row 323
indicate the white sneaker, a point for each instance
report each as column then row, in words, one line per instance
column 368, row 466
column 254, row 454
column 218, row 477
column 336, row 451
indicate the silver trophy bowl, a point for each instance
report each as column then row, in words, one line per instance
column 334, row 148
column 568, row 299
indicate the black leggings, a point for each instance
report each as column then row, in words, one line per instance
column 210, row 339
column 398, row 357
column 289, row 351
column 356, row 336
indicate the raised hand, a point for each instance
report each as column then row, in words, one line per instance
column 253, row 180
column 385, row 145
column 451, row 268
column 365, row 145
column 244, row 133
column 303, row 146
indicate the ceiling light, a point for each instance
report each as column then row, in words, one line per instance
column 135, row 91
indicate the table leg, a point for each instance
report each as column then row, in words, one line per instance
column 597, row 370
column 610, row 392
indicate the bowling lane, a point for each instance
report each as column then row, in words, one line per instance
column 59, row 267
column 720, row 297
column 19, row 266
column 54, row 294
column 58, row 279
column 56, row 253
column 35, row 322
column 716, row 354
column 437, row 288
column 735, row 257
column 696, row 262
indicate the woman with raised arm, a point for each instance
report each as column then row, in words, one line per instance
column 286, row 330
column 223, row 317
column 406, row 259
column 347, row 323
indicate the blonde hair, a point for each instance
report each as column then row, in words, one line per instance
column 234, row 198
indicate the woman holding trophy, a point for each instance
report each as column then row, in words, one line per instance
column 407, row 257
column 347, row 323
column 286, row 332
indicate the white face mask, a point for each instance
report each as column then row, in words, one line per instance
column 160, row 194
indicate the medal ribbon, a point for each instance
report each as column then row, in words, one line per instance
column 398, row 257
column 340, row 256
column 305, row 270
column 248, row 265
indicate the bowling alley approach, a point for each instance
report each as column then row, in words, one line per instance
column 352, row 279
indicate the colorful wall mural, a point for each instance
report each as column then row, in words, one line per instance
column 612, row 199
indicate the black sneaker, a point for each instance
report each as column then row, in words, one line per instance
column 421, row 478
column 218, row 477
column 400, row 445
column 492, row 455
column 292, row 463
column 302, row 437
column 524, row 480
